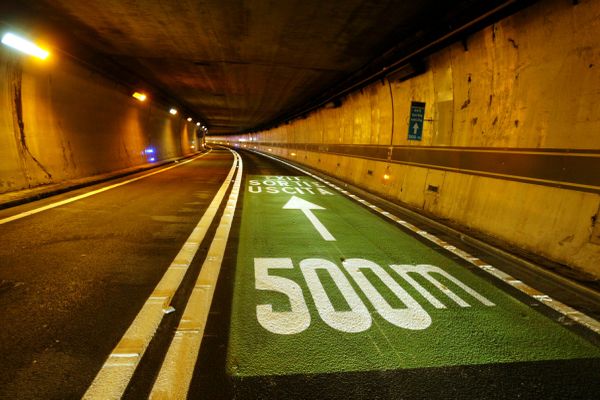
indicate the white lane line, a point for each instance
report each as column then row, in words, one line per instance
column 88, row 194
column 178, row 367
column 114, row 376
column 562, row 308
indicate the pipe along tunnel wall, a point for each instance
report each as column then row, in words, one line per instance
column 511, row 138
column 60, row 121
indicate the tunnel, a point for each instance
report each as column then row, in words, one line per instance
column 253, row 199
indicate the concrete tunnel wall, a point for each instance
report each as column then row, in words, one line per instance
column 60, row 121
column 511, row 139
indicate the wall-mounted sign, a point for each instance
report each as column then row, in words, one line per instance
column 415, row 123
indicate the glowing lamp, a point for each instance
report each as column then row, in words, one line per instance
column 24, row 46
column 173, row 111
column 139, row 96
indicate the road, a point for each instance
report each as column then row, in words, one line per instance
column 170, row 284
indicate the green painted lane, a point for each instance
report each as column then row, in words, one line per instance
column 324, row 286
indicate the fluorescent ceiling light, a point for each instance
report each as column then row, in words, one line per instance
column 24, row 46
column 139, row 96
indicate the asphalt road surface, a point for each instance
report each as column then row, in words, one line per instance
column 223, row 278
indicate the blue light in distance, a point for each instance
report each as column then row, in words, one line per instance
column 150, row 153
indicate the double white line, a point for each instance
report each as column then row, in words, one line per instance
column 177, row 369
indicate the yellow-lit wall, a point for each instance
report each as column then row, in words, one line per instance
column 531, row 81
column 60, row 121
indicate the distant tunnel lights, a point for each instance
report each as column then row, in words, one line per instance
column 24, row 45
column 173, row 111
column 139, row 96
column 150, row 152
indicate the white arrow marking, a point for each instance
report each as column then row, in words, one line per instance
column 296, row 203
column 415, row 128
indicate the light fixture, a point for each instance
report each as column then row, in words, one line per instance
column 387, row 176
column 173, row 111
column 197, row 123
column 24, row 45
column 139, row 96
column 293, row 154
column 189, row 119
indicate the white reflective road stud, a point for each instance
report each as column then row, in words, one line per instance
column 283, row 322
column 425, row 271
column 175, row 375
column 356, row 320
column 412, row 317
column 113, row 378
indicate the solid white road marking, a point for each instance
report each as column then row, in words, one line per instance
column 296, row 203
column 115, row 374
column 176, row 372
column 88, row 194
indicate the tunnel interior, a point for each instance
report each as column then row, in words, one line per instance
column 480, row 114
column 300, row 199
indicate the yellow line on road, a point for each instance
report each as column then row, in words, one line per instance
column 88, row 194
column 178, row 367
column 114, row 376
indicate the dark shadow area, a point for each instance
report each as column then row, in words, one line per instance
column 571, row 379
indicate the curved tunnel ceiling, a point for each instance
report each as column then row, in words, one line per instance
column 240, row 65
